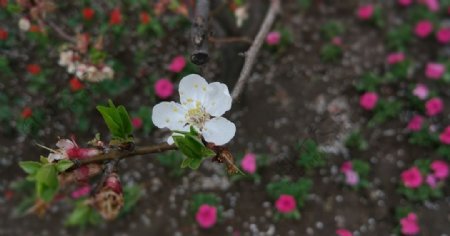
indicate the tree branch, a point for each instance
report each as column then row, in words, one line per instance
column 252, row 53
column 60, row 32
column 200, row 32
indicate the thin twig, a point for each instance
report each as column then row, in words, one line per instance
column 60, row 32
column 252, row 53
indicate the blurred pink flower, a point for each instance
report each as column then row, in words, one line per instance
column 443, row 35
column 365, row 12
column 412, row 178
column 206, row 216
column 409, row 224
column 368, row 100
column 405, row 3
column 421, row 91
column 444, row 137
column 81, row 192
column 273, row 38
column 431, row 181
column 423, row 28
column 286, row 203
column 416, row 123
column 248, row 163
column 434, row 106
column 433, row 5
column 434, row 70
column 136, row 122
column 177, row 64
column 440, row 169
column 395, row 57
column 351, row 177
column 343, row 232
column 164, row 88
column 337, row 41
column 346, row 166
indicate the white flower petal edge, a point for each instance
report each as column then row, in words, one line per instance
column 219, row 131
column 192, row 90
column 218, row 99
column 169, row 115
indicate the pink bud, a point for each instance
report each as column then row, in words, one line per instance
column 434, row 106
column 404, row 3
column 443, row 35
column 368, row 100
column 137, row 122
column 286, row 203
column 365, row 12
column 395, row 57
column 248, row 163
column 423, row 28
column 421, row 91
column 164, row 88
column 177, row 65
column 206, row 216
column 415, row 124
column 273, row 38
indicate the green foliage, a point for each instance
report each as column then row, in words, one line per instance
column 299, row 189
column 331, row 29
column 82, row 216
column 47, row 182
column 310, row 155
column 363, row 170
column 172, row 160
column 117, row 120
column 192, row 148
column 385, row 110
column 63, row 165
column 423, row 138
column 422, row 193
column 368, row 82
column 397, row 39
column 305, row 4
column 30, row 167
column 444, row 150
column 131, row 195
column 356, row 141
column 398, row 71
column 330, row 52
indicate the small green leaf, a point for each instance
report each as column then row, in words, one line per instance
column 47, row 175
column 63, row 165
column 43, row 160
column 30, row 167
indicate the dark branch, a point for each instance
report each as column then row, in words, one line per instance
column 200, row 32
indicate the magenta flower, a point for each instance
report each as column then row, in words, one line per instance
column 365, row 12
column 136, row 122
column 434, row 70
column 346, row 166
column 81, row 192
column 440, row 169
column 423, row 28
column 286, row 203
column 443, row 35
column 206, row 216
column 444, row 137
column 431, row 181
column 395, row 57
column 248, row 163
column 368, row 100
column 164, row 88
column 177, row 64
column 273, row 38
column 337, row 41
column 404, row 3
column 434, row 106
column 351, row 177
column 416, row 123
column 343, row 232
column 421, row 91
column 412, row 178
column 433, row 5
column 409, row 224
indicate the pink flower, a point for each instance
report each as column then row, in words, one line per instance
column 433, row 5
column 164, row 88
column 423, row 28
column 136, row 122
column 404, row 3
column 248, row 163
column 346, row 166
column 431, row 181
column 177, row 64
column 440, row 169
column 409, row 224
column 416, row 123
column 365, row 12
column 273, row 38
column 434, row 106
column 443, row 35
column 368, row 100
column 286, row 203
column 434, row 70
column 421, row 91
column 444, row 137
column 337, row 41
column 206, row 216
column 343, row 232
column 81, row 192
column 351, row 178
column 395, row 57
column 412, row 178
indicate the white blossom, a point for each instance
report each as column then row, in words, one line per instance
column 66, row 58
column 241, row 15
column 61, row 153
column 24, row 24
column 202, row 106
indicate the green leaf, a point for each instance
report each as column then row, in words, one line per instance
column 63, row 165
column 47, row 182
column 30, row 167
column 132, row 194
column 117, row 120
column 126, row 121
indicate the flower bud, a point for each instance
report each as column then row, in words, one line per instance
column 109, row 201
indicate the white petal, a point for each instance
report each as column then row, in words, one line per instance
column 52, row 157
column 192, row 89
column 169, row 115
column 170, row 139
column 218, row 131
column 65, row 144
column 218, row 99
